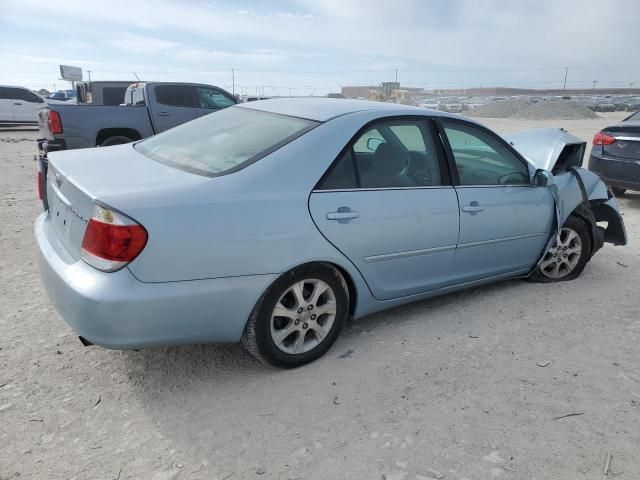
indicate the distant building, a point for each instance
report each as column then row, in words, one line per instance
column 359, row 91
column 44, row 92
column 388, row 87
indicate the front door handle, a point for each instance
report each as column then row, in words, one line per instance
column 17, row 103
column 343, row 213
column 164, row 114
column 473, row 207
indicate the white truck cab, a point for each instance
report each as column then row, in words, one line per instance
column 19, row 106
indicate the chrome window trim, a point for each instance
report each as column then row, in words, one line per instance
column 373, row 189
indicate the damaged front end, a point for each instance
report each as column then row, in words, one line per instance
column 576, row 190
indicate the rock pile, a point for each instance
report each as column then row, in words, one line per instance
column 555, row 110
column 521, row 108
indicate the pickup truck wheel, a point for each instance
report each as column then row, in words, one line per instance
column 117, row 140
column 568, row 255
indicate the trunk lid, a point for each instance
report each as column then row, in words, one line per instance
column 627, row 144
column 117, row 176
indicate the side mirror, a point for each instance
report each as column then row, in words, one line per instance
column 541, row 178
column 374, row 143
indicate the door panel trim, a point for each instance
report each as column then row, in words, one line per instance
column 409, row 253
column 500, row 240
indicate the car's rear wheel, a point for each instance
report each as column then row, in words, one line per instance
column 617, row 191
column 568, row 255
column 299, row 317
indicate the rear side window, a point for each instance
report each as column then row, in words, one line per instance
column 224, row 141
column 393, row 153
column 113, row 95
column 175, row 95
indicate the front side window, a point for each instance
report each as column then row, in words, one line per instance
column 175, row 95
column 223, row 142
column 481, row 159
column 24, row 95
column 391, row 154
column 211, row 98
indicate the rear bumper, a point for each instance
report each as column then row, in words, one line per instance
column 618, row 173
column 115, row 310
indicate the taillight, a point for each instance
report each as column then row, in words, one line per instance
column 54, row 122
column 40, row 184
column 603, row 139
column 112, row 239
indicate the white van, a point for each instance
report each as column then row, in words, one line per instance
column 19, row 106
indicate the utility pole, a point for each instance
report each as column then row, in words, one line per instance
column 594, row 86
column 233, row 82
column 89, row 72
column 396, row 75
column 566, row 71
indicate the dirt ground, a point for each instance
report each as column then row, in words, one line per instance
column 447, row 388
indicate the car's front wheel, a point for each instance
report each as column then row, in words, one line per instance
column 568, row 255
column 299, row 317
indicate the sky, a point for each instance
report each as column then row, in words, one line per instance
column 312, row 47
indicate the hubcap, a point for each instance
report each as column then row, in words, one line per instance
column 563, row 256
column 303, row 316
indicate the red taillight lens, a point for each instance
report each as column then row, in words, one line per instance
column 603, row 139
column 54, row 122
column 112, row 240
column 40, row 184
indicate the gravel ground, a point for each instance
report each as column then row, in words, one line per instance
column 449, row 388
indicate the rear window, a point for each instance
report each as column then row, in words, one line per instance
column 224, row 141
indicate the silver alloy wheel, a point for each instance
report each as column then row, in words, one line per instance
column 563, row 257
column 303, row 316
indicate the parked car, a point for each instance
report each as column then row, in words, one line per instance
column 615, row 155
column 63, row 95
column 272, row 222
column 431, row 104
column 148, row 108
column 19, row 106
column 633, row 104
column 605, row 105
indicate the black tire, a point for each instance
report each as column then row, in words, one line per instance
column 618, row 191
column 117, row 140
column 257, row 336
column 580, row 227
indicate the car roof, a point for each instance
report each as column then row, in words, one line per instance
column 322, row 109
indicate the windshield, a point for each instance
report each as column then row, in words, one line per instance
column 225, row 141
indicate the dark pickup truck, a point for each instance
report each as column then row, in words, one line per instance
column 148, row 108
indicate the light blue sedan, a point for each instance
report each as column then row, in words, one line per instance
column 273, row 222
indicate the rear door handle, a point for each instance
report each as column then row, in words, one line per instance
column 342, row 214
column 164, row 114
column 17, row 103
column 473, row 207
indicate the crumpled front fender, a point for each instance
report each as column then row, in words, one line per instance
column 600, row 205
